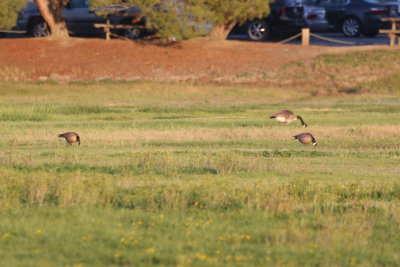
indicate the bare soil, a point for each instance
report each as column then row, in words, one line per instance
column 79, row 59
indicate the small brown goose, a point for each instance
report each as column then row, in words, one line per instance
column 306, row 138
column 287, row 116
column 71, row 137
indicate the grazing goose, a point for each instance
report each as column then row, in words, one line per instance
column 287, row 116
column 71, row 137
column 305, row 138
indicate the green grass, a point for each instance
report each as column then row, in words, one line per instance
column 109, row 236
column 362, row 58
column 388, row 83
column 176, row 174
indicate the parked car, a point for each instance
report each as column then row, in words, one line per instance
column 355, row 17
column 315, row 18
column 80, row 20
column 286, row 16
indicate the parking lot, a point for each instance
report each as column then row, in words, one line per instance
column 380, row 39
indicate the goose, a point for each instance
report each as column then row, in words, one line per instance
column 287, row 116
column 306, row 138
column 70, row 137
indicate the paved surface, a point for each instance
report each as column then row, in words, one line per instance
column 380, row 39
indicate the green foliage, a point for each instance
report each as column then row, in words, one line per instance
column 9, row 11
column 228, row 11
column 189, row 18
column 225, row 14
column 170, row 20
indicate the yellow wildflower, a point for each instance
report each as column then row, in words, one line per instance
column 151, row 250
column 4, row 236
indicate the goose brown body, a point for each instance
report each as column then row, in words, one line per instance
column 71, row 137
column 287, row 117
column 306, row 138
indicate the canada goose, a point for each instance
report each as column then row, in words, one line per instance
column 287, row 116
column 71, row 137
column 305, row 138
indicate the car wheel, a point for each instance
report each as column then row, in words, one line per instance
column 351, row 27
column 39, row 28
column 133, row 33
column 258, row 30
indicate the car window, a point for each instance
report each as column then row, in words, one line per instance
column 311, row 2
column 379, row 1
column 325, row 2
column 291, row 3
column 78, row 3
column 338, row 2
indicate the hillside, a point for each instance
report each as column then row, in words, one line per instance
column 200, row 60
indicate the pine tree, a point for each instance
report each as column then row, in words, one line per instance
column 9, row 12
column 183, row 19
column 225, row 14
column 169, row 19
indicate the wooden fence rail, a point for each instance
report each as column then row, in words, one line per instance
column 394, row 31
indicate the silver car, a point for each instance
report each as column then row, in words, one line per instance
column 315, row 17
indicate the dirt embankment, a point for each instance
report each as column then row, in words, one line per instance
column 96, row 59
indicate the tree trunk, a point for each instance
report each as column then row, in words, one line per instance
column 220, row 31
column 51, row 12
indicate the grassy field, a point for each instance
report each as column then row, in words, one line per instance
column 186, row 174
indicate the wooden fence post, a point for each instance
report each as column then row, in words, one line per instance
column 305, row 36
column 107, row 29
column 392, row 37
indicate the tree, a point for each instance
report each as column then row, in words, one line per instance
column 51, row 12
column 225, row 14
column 168, row 19
column 9, row 11
column 183, row 19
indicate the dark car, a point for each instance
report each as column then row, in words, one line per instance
column 286, row 16
column 355, row 17
column 80, row 20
